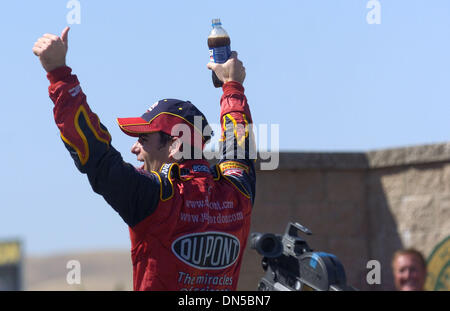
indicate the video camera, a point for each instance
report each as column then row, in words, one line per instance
column 291, row 265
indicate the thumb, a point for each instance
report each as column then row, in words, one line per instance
column 65, row 35
column 211, row 66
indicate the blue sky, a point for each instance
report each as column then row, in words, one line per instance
column 317, row 68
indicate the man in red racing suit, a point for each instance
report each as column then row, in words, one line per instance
column 188, row 222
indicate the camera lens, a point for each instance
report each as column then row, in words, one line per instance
column 268, row 244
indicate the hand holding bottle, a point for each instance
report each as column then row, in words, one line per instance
column 232, row 70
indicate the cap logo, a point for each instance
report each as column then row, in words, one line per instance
column 153, row 106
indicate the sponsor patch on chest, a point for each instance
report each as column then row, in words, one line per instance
column 200, row 168
column 207, row 250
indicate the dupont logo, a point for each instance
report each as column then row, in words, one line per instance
column 207, row 250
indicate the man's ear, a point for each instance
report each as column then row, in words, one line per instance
column 175, row 151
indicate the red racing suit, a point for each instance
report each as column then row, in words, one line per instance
column 188, row 222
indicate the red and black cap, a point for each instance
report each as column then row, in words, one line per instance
column 165, row 116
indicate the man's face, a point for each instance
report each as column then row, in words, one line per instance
column 409, row 273
column 149, row 150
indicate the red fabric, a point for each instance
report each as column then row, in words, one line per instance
column 234, row 100
column 154, row 237
column 59, row 74
column 64, row 88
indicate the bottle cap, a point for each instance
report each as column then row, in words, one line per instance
column 216, row 22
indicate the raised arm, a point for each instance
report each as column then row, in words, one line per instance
column 238, row 146
column 133, row 194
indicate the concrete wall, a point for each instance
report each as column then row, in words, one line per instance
column 359, row 206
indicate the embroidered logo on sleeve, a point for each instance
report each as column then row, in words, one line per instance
column 75, row 91
column 233, row 168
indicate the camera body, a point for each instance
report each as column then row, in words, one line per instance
column 291, row 265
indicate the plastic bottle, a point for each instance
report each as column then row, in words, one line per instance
column 219, row 47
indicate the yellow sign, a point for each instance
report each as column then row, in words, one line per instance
column 9, row 253
column 439, row 267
